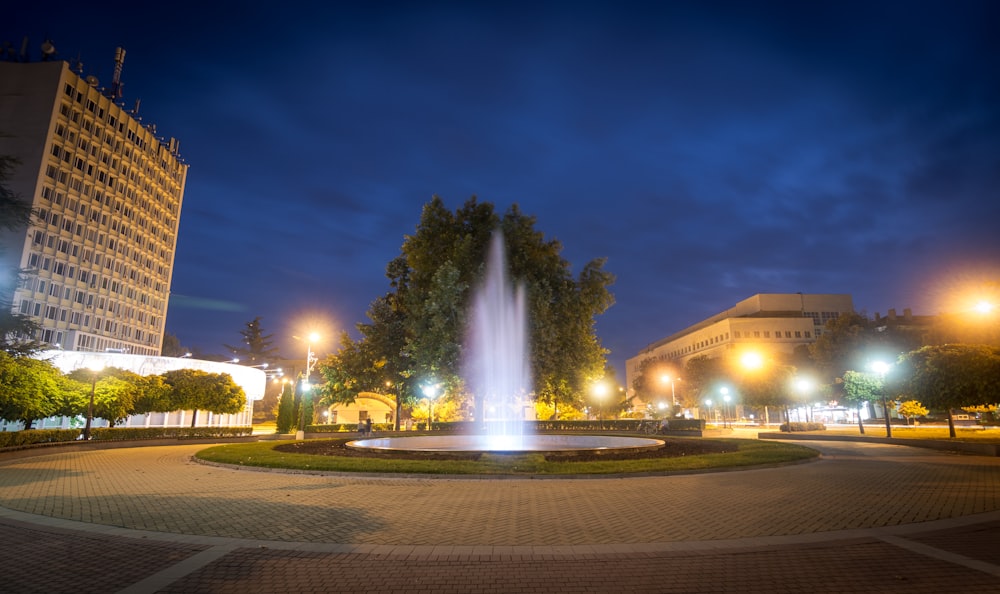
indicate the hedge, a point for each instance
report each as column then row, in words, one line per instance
column 37, row 436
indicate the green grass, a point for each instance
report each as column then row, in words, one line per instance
column 876, row 429
column 749, row 453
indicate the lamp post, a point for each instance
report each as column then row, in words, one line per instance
column 881, row 368
column 430, row 391
column 310, row 359
column 725, row 405
column 708, row 403
column 665, row 378
column 96, row 368
column 804, row 387
column 600, row 390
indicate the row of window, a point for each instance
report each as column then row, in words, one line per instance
column 778, row 334
column 55, row 172
column 136, row 312
column 88, row 342
column 140, row 171
column 134, row 135
column 92, row 279
column 82, row 320
column 821, row 318
column 737, row 334
column 155, row 261
column 97, row 218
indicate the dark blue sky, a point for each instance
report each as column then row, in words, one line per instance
column 710, row 151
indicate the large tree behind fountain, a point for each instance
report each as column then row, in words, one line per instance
column 416, row 330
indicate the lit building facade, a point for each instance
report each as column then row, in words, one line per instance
column 778, row 322
column 99, row 255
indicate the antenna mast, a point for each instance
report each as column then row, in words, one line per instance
column 116, row 80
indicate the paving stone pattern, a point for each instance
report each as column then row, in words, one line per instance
column 152, row 520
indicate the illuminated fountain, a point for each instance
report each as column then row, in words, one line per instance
column 497, row 370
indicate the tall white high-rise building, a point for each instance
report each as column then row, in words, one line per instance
column 99, row 255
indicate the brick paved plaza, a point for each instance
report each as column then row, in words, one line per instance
column 862, row 518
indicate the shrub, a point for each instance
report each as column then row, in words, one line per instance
column 37, row 436
column 803, row 427
column 34, row 436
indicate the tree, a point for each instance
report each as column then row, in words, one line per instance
column 844, row 340
column 29, row 389
column 702, row 374
column 15, row 212
column 861, row 387
column 154, row 395
column 194, row 390
column 769, row 386
column 171, row 346
column 17, row 330
column 115, row 393
column 286, row 415
column 256, row 347
column 909, row 409
column 951, row 376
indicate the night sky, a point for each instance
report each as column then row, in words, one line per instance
column 710, row 152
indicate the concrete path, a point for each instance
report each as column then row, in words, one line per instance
column 864, row 518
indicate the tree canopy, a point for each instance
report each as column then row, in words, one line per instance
column 950, row 376
column 417, row 330
column 17, row 330
column 29, row 389
column 256, row 347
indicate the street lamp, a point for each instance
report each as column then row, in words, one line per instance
column 600, row 390
column 430, row 391
column 803, row 386
column 708, row 403
column 881, row 368
column 310, row 355
column 96, row 368
column 673, row 394
column 725, row 405
column 310, row 359
column 301, row 433
column 752, row 360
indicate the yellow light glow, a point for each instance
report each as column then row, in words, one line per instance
column 983, row 307
column 752, row 360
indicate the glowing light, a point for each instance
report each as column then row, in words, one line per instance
column 983, row 307
column 880, row 367
column 752, row 360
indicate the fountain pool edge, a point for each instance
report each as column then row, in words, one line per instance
column 595, row 444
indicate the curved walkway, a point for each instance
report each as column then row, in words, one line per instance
column 864, row 517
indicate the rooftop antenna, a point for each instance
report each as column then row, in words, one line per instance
column 135, row 110
column 116, row 80
column 48, row 50
column 79, row 64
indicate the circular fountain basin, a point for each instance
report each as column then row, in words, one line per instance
column 507, row 444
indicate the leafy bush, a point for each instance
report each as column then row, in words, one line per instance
column 126, row 433
column 36, row 436
column 803, row 427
